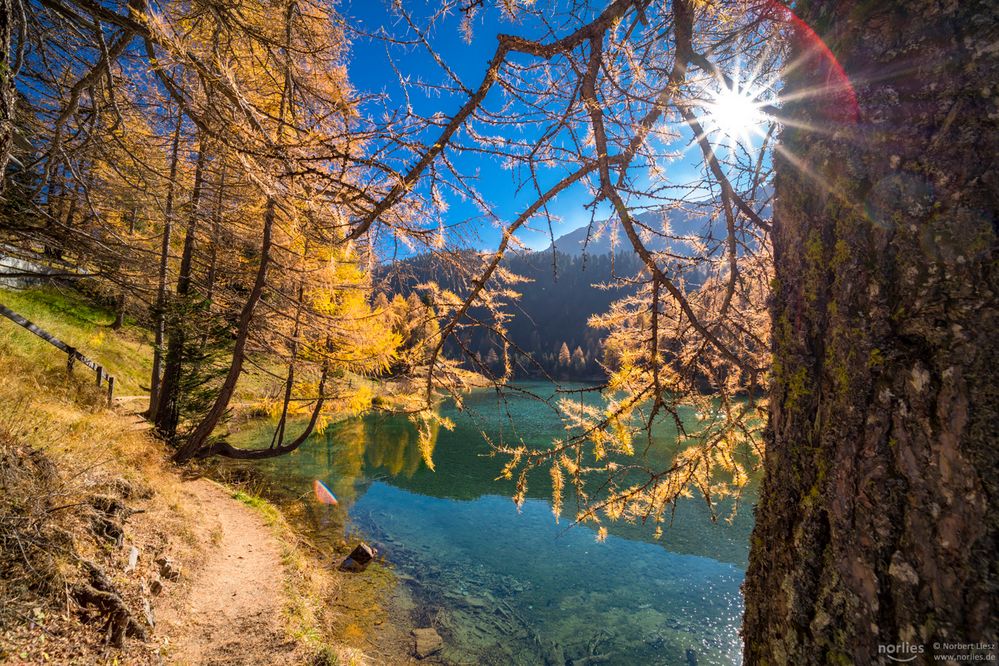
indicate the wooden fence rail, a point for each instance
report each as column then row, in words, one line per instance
column 71, row 352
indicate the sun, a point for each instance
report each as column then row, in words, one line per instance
column 735, row 115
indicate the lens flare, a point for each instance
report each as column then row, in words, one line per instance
column 323, row 494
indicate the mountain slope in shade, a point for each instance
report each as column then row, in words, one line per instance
column 608, row 236
column 552, row 311
column 567, row 287
column 694, row 219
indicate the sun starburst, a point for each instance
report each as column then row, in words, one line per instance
column 736, row 112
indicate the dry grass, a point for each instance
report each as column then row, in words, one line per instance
column 73, row 475
column 126, row 353
column 64, row 457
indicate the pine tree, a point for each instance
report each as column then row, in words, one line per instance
column 564, row 357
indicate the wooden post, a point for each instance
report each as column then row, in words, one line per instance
column 110, row 389
column 100, row 375
column 70, row 361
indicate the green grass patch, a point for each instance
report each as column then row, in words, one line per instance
column 71, row 317
column 267, row 510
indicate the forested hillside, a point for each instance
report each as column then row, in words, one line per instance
column 549, row 322
column 576, row 278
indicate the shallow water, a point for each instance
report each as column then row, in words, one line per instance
column 513, row 587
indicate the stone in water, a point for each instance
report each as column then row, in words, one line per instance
column 428, row 642
column 359, row 558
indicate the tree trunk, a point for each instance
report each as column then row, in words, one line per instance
column 168, row 407
column 55, row 197
column 213, row 258
column 196, row 442
column 199, row 437
column 7, row 97
column 227, row 450
column 278, row 438
column 878, row 518
column 74, row 197
column 119, row 312
column 159, row 315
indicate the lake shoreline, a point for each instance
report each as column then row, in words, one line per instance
column 372, row 609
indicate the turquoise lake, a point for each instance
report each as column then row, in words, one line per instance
column 509, row 586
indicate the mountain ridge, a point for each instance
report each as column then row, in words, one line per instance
column 568, row 285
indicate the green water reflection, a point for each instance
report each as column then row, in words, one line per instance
column 512, row 587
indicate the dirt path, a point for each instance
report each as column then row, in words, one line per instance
column 227, row 609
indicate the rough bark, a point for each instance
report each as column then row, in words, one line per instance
column 879, row 515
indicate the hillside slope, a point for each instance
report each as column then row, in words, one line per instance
column 107, row 551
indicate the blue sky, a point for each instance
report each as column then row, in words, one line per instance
column 370, row 71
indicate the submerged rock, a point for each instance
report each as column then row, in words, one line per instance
column 359, row 558
column 428, row 642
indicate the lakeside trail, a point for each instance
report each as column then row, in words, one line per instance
column 229, row 609
column 198, row 572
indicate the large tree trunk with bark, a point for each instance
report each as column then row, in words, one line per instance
column 878, row 521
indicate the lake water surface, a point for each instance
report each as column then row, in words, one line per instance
column 509, row 586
